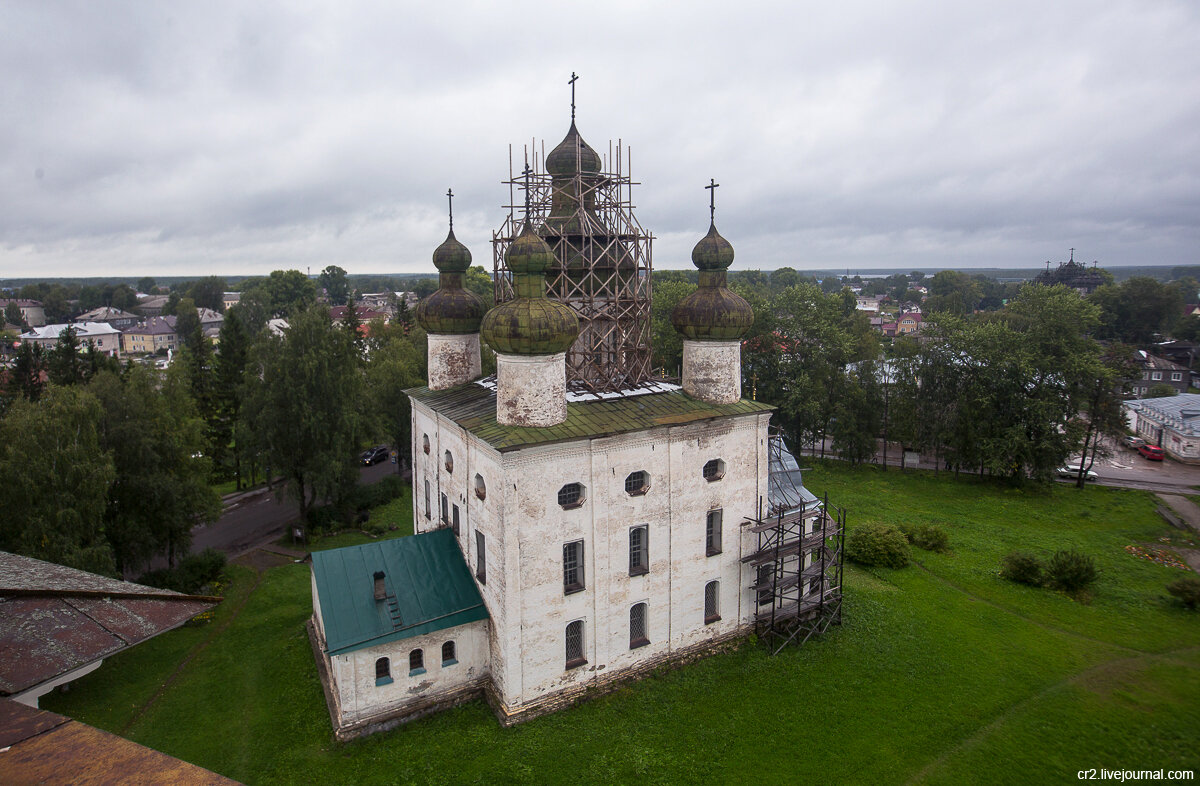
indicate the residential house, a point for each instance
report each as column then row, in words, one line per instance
column 152, row 305
column 1172, row 423
column 230, row 299
column 1159, row 371
column 31, row 310
column 151, row 335
column 113, row 316
column 102, row 335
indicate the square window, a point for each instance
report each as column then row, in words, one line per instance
column 639, row 550
column 712, row 532
column 572, row 567
column 1156, row 375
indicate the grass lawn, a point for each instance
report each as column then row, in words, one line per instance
column 941, row 673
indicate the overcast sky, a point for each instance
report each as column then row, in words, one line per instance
column 238, row 138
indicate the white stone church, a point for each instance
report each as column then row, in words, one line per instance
column 578, row 521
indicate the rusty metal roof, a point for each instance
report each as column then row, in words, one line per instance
column 55, row 619
column 41, row 747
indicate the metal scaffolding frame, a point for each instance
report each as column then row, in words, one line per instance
column 602, row 264
column 797, row 566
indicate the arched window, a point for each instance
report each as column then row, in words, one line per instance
column 575, row 644
column 714, row 470
column 712, row 602
column 449, row 462
column 637, row 626
column 480, row 486
column 425, row 443
column 383, row 672
column 448, row 658
column 416, row 662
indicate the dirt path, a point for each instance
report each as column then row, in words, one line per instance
column 258, row 561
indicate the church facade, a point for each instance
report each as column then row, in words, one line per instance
column 591, row 522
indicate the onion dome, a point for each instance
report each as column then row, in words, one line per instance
column 530, row 323
column 714, row 311
column 561, row 160
column 451, row 309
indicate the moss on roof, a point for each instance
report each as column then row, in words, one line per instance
column 473, row 407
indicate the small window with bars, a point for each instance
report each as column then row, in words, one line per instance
column 425, row 443
column 639, row 550
column 383, row 672
column 712, row 532
column 572, row 567
column 574, row 643
column 480, row 558
column 454, row 519
column 637, row 483
column 712, row 602
column 713, row 470
column 571, row 495
column 445, row 509
column 416, row 662
column 637, row 626
column 448, row 654
column 428, row 507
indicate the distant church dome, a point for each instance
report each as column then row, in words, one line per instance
column 713, row 312
column 530, row 324
column 451, row 309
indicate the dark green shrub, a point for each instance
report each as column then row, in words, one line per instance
column 1187, row 590
column 190, row 575
column 1023, row 568
column 927, row 536
column 1070, row 571
column 877, row 544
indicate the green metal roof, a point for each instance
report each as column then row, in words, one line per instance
column 429, row 588
column 473, row 407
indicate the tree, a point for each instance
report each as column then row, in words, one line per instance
column 146, row 284
column 1161, row 390
column 304, row 407
column 336, row 284
column 123, row 297
column 1138, row 311
column 228, row 452
column 24, row 379
column 13, row 315
column 397, row 362
column 283, row 293
column 56, row 478
column 666, row 345
column 208, row 292
column 64, row 365
column 160, row 488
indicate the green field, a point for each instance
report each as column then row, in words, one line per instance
column 941, row 673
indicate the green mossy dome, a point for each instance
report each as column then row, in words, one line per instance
column 561, row 160
column 452, row 256
column 528, row 253
column 713, row 252
column 530, row 324
column 451, row 310
column 714, row 313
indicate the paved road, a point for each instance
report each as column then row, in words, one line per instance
column 261, row 517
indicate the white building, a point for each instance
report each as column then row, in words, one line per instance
column 1171, row 422
column 102, row 335
column 604, row 533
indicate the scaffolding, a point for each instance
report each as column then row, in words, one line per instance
column 602, row 263
column 796, row 569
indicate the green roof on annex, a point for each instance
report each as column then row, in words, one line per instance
column 429, row 588
column 473, row 407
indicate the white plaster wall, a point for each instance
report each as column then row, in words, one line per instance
column 533, row 653
column 712, row 370
column 354, row 672
column 531, row 390
column 453, row 359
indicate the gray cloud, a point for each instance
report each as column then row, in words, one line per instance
column 179, row 139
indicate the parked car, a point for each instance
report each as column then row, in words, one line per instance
column 375, row 455
column 1131, row 441
column 1152, row 452
column 1071, row 472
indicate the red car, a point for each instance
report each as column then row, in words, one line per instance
column 1152, row 452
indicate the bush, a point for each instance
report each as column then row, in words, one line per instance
column 927, row 536
column 376, row 494
column 1187, row 590
column 190, row 575
column 1070, row 571
column 878, row 544
column 1023, row 568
